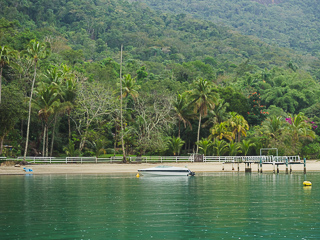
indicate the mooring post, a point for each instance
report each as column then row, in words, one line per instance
column 290, row 168
column 223, row 166
column 238, row 166
column 247, row 167
column 304, row 164
column 260, row 164
column 287, row 165
column 274, row 167
column 277, row 168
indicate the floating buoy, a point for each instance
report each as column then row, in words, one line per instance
column 307, row 183
column 138, row 175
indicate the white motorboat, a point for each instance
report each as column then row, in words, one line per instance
column 166, row 171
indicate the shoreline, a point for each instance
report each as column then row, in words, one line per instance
column 109, row 168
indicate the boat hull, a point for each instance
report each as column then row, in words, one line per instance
column 166, row 171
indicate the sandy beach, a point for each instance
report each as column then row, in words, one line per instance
column 109, row 168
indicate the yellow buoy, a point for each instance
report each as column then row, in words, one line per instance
column 307, row 183
column 138, row 175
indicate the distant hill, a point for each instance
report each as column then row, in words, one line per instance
column 293, row 24
column 95, row 30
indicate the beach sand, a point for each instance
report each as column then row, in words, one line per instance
column 108, row 168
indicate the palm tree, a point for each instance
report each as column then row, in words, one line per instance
column 69, row 92
column 182, row 110
column 221, row 131
column 273, row 126
column 129, row 87
column 35, row 51
column 218, row 114
column 47, row 100
column 205, row 144
column 234, row 148
column 238, row 125
column 175, row 144
column 204, row 97
column 300, row 127
column 6, row 54
column 219, row 147
column 245, row 145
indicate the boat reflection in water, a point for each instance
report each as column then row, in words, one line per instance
column 166, row 171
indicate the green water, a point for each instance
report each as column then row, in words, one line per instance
column 207, row 206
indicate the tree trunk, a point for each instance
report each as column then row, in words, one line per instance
column 83, row 140
column 0, row 83
column 44, row 141
column 47, row 140
column 29, row 116
column 1, row 144
column 53, row 133
column 198, row 136
column 69, row 124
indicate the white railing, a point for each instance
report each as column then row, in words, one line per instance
column 163, row 159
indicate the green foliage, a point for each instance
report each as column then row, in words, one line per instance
column 276, row 22
column 257, row 112
column 205, row 146
column 175, row 145
column 212, row 67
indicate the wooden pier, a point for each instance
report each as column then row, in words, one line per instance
column 288, row 161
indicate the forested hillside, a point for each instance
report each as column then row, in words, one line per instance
column 286, row 23
column 188, row 85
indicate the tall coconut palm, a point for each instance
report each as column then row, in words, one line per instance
column 238, row 125
column 205, row 98
column 6, row 54
column 129, row 87
column 47, row 101
column 182, row 110
column 35, row 50
column 68, row 90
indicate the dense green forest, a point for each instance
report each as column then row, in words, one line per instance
column 286, row 23
column 182, row 84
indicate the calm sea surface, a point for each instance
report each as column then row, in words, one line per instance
column 207, row 206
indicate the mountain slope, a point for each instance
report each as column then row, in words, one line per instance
column 293, row 24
